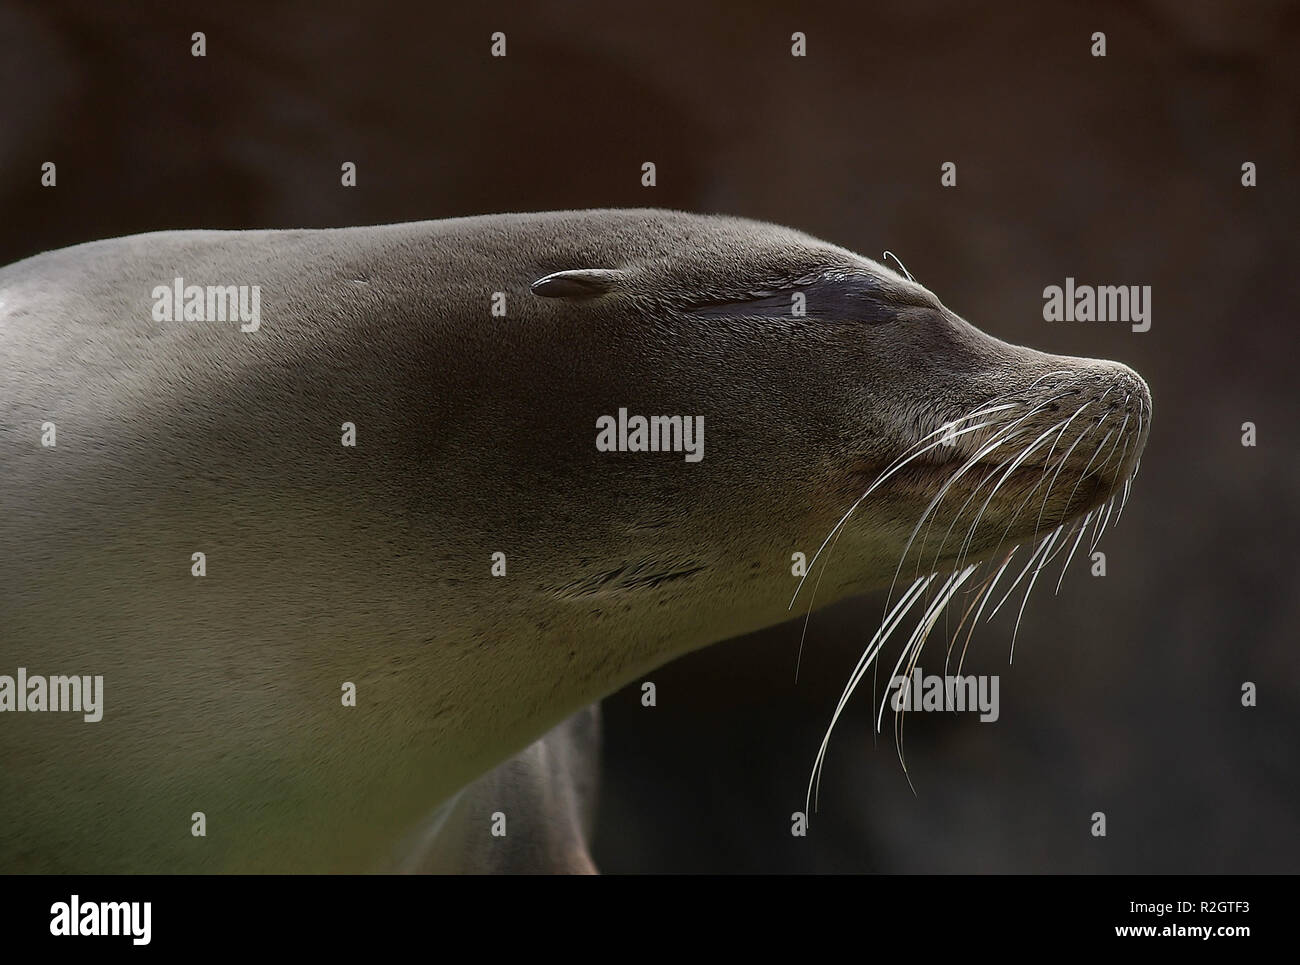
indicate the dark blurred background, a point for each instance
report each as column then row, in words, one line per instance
column 1124, row 696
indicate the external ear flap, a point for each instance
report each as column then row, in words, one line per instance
column 580, row 283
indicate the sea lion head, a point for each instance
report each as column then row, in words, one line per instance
column 844, row 403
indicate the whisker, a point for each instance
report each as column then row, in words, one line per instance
column 1097, row 538
column 978, row 592
column 944, row 431
column 1009, row 432
column 982, row 483
column 1006, row 475
column 1033, row 556
column 987, row 595
column 1047, row 495
column 1082, row 529
column 914, row 646
column 883, row 633
column 895, row 467
column 975, row 491
column 834, row 535
column 1128, row 485
column 1115, row 445
column 1083, row 475
column 890, row 254
column 1030, row 589
column 972, row 461
column 926, row 624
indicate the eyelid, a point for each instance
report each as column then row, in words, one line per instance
column 832, row 299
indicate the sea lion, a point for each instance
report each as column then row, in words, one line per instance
column 478, row 565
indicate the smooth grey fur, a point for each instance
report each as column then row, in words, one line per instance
column 371, row 565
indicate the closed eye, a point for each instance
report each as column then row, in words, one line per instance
column 849, row 299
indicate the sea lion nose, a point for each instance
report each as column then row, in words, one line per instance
column 1134, row 387
column 1127, row 395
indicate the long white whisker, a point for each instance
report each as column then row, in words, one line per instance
column 1009, row 435
column 1097, row 539
column 887, row 627
column 992, row 474
column 983, row 602
column 1083, row 526
column 1005, row 476
column 1030, row 589
column 965, row 618
column 872, row 488
column 927, row 622
column 1047, row 495
column 961, row 554
column 1128, row 485
column 971, row 462
column 962, row 551
column 1083, row 475
column 1032, row 557
column 946, row 433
